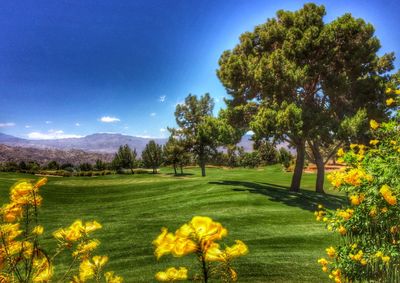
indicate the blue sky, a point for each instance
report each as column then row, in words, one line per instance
column 73, row 68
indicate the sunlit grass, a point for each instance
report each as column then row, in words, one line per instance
column 284, row 239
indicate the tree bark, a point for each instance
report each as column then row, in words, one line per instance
column 175, row 168
column 298, row 169
column 181, row 170
column 319, row 161
column 202, row 161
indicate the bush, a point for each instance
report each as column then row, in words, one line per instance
column 369, row 227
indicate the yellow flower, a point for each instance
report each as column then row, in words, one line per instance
column 237, row 250
column 41, row 182
column 44, row 274
column 91, row 226
column 342, row 230
column 373, row 142
column 111, row 278
column 164, row 243
column 340, row 152
column 386, row 259
column 214, row 253
column 323, row 261
column 38, row 230
column 373, row 124
column 397, row 91
column 86, row 270
column 183, row 246
column 85, row 248
column 387, row 195
column 331, row 252
column 206, row 229
column 99, row 261
column 389, row 101
column 172, row 274
column 388, row 90
column 357, row 199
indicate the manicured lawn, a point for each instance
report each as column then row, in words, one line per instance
column 253, row 204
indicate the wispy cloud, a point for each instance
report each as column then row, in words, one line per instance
column 28, row 126
column 162, row 130
column 8, row 124
column 51, row 134
column 77, row 124
column 109, row 119
column 153, row 114
column 162, row 98
column 48, row 122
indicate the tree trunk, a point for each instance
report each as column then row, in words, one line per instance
column 202, row 162
column 298, row 169
column 175, row 168
column 319, row 161
column 181, row 170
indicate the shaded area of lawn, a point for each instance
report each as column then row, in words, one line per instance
column 304, row 199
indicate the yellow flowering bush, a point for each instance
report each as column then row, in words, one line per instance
column 22, row 258
column 199, row 237
column 369, row 227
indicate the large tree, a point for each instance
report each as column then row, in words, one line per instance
column 297, row 79
column 201, row 132
column 152, row 156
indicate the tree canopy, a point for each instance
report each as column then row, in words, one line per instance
column 297, row 79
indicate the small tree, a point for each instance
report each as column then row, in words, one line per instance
column 152, row 156
column 86, row 167
column 100, row 165
column 201, row 132
column 285, row 157
column 124, row 158
column 175, row 154
column 267, row 152
column 53, row 165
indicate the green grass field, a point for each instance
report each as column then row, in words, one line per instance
column 279, row 227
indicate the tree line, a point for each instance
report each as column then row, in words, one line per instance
column 174, row 153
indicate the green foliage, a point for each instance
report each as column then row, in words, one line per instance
column 53, row 165
column 250, row 159
column 369, row 225
column 85, row 167
column 201, row 132
column 285, row 157
column 267, row 152
column 125, row 158
column 152, row 156
column 175, row 154
column 303, row 77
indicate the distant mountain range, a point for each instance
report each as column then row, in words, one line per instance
column 45, row 155
column 99, row 143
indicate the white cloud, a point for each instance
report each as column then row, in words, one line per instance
column 48, row 122
column 162, row 98
column 77, row 124
column 108, row 119
column 153, row 114
column 28, row 126
column 51, row 134
column 162, row 130
column 9, row 124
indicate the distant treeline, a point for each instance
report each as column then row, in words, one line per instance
column 153, row 156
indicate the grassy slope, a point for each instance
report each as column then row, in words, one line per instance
column 279, row 227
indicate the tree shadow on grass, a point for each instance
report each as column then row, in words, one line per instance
column 304, row 199
column 179, row 174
